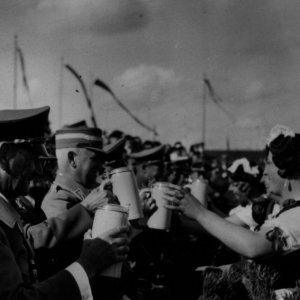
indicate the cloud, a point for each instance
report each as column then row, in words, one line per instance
column 96, row 16
column 148, row 85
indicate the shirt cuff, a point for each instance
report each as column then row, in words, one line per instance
column 81, row 279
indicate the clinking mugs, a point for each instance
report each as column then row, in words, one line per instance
column 106, row 218
column 125, row 188
column 199, row 190
column 161, row 218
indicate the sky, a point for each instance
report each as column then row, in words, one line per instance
column 154, row 55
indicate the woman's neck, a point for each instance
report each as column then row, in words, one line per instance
column 292, row 190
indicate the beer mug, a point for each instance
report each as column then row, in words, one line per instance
column 199, row 190
column 106, row 218
column 161, row 218
column 125, row 188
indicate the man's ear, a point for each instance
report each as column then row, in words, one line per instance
column 4, row 164
column 71, row 158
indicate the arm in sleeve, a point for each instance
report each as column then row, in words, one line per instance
column 66, row 226
column 284, row 231
column 56, row 202
column 12, row 287
column 82, row 280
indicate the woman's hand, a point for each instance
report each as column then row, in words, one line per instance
column 183, row 202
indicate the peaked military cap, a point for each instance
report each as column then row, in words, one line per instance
column 115, row 154
column 116, row 134
column 81, row 137
column 21, row 126
column 149, row 156
column 27, row 125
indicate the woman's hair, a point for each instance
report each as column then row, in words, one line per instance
column 285, row 151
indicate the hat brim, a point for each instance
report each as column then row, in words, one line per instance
column 42, row 152
column 114, row 146
column 38, row 144
column 151, row 163
column 99, row 151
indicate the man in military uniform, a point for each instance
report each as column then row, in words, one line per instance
column 148, row 165
column 80, row 159
column 21, row 146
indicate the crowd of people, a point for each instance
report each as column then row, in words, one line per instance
column 236, row 239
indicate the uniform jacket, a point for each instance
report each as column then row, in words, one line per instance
column 64, row 193
column 17, row 278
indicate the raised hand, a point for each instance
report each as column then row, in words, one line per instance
column 100, row 252
column 97, row 198
column 183, row 202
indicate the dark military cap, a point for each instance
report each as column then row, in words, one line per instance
column 116, row 134
column 115, row 154
column 149, row 156
column 19, row 125
column 81, row 137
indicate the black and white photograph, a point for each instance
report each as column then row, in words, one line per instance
column 150, row 150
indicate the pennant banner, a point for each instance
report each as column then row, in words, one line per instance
column 22, row 63
column 85, row 92
column 216, row 99
column 104, row 86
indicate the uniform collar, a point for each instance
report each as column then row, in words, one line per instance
column 8, row 215
column 66, row 182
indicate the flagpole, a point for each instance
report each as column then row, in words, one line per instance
column 15, row 72
column 203, row 111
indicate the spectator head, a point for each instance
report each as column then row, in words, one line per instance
column 149, row 163
column 80, row 154
column 115, row 136
column 22, row 148
column 284, row 146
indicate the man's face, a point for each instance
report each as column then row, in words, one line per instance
column 89, row 164
column 273, row 182
column 153, row 172
column 22, row 167
column 195, row 175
